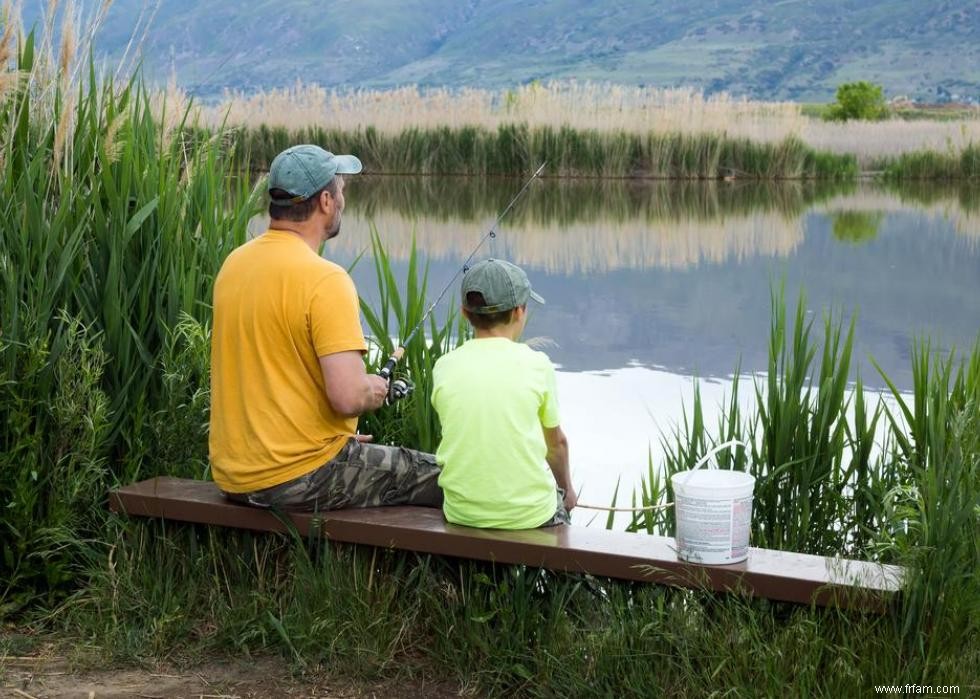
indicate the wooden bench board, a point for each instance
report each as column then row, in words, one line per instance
column 777, row 575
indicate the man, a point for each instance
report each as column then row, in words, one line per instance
column 498, row 405
column 287, row 373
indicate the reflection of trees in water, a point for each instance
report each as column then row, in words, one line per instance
column 564, row 202
column 585, row 225
column 598, row 226
column 585, row 247
column 857, row 226
column 957, row 203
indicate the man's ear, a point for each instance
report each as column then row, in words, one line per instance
column 326, row 201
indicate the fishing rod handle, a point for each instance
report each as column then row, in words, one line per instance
column 389, row 366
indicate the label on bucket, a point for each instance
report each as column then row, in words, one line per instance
column 713, row 531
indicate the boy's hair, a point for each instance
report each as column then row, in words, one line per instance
column 485, row 321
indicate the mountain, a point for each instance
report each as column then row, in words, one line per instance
column 763, row 49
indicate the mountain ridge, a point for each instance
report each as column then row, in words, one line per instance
column 794, row 49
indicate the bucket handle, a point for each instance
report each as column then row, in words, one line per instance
column 712, row 452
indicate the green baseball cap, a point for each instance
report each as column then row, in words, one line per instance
column 305, row 170
column 504, row 286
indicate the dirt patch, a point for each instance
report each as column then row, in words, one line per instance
column 51, row 678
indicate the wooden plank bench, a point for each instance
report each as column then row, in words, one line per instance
column 777, row 575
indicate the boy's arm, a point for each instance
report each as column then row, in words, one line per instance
column 557, row 458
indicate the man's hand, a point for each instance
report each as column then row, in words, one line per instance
column 379, row 391
column 350, row 389
column 364, row 438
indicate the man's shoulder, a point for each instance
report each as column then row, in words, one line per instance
column 328, row 270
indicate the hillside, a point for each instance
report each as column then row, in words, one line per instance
column 794, row 49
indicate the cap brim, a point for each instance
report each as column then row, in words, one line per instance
column 536, row 297
column 347, row 164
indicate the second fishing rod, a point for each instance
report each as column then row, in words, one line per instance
column 400, row 388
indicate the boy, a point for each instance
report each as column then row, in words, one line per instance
column 498, row 406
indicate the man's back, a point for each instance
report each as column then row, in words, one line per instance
column 494, row 397
column 277, row 307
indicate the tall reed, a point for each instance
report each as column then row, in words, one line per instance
column 111, row 231
column 935, row 165
column 840, row 474
column 583, row 107
column 512, row 149
column 399, row 309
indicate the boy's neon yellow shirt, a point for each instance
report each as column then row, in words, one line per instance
column 494, row 397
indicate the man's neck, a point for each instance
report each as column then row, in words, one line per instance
column 303, row 230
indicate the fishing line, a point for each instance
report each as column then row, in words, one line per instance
column 402, row 388
column 603, row 508
column 699, row 464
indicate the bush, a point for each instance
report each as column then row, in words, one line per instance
column 858, row 100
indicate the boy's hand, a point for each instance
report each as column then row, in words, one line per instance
column 571, row 499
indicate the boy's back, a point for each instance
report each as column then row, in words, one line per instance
column 494, row 397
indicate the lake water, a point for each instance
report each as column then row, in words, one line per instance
column 652, row 285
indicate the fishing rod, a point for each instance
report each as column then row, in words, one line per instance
column 401, row 388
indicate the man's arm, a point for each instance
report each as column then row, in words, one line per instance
column 557, row 458
column 351, row 391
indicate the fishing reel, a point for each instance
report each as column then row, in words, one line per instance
column 399, row 389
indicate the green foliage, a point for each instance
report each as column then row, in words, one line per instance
column 112, row 227
column 933, row 165
column 177, row 429
column 856, row 226
column 412, row 421
column 514, row 149
column 182, row 592
column 858, row 100
column 892, row 482
column 52, row 456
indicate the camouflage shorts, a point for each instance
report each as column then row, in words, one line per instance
column 361, row 475
column 561, row 515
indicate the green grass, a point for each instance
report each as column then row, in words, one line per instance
column 400, row 308
column 930, row 165
column 516, row 148
column 835, row 474
column 154, row 590
column 113, row 231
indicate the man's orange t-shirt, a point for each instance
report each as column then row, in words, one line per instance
column 278, row 306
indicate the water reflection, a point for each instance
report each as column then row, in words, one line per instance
column 678, row 275
column 651, row 284
column 856, row 226
column 589, row 226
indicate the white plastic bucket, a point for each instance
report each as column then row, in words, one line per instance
column 714, row 513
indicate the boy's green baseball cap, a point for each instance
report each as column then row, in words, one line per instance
column 504, row 286
column 305, row 170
